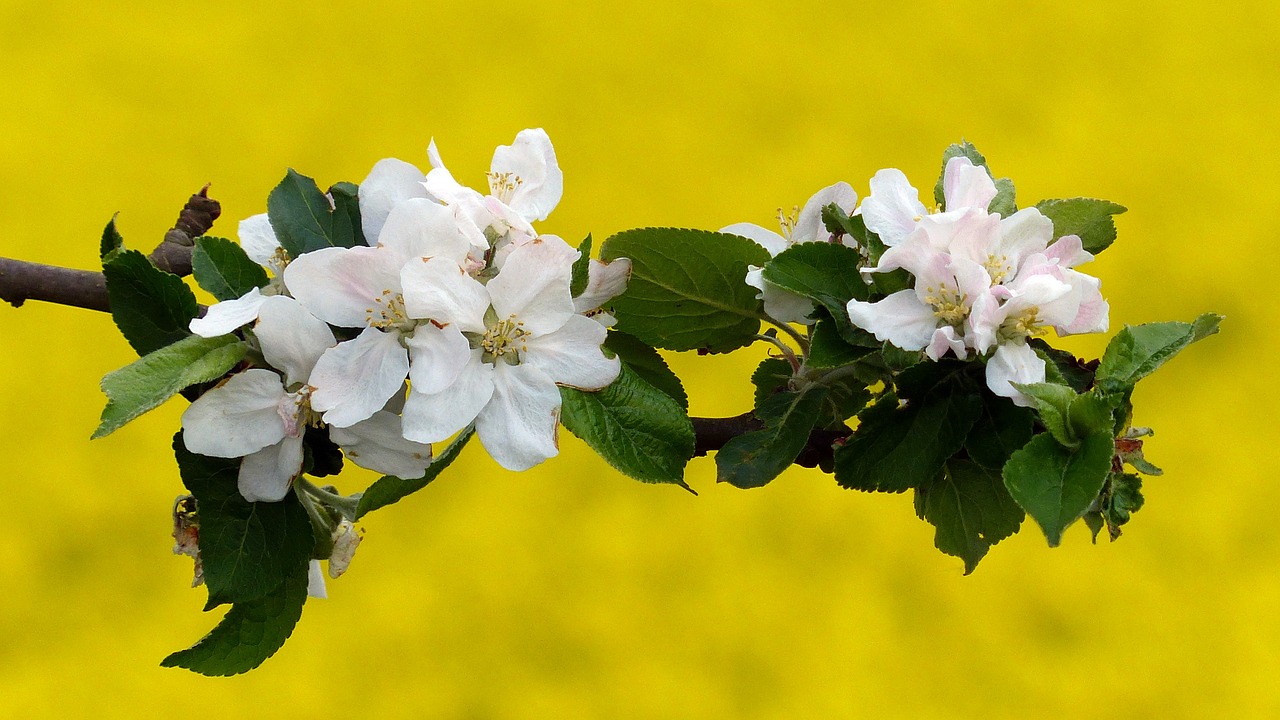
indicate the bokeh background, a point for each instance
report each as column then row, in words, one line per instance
column 570, row 591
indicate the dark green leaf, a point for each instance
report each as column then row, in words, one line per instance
column 151, row 379
column 770, row 376
column 1056, row 484
column 1095, row 522
column 390, row 489
column 754, row 459
column 897, row 359
column 347, row 228
column 249, row 633
column 828, row 274
column 838, row 222
column 1089, row 218
column 111, row 240
column 1122, row 498
column 1090, row 414
column 223, row 269
column 247, row 548
column 1137, row 351
column 827, row 349
column 1063, row 368
column 151, row 307
column 648, row 364
column 581, row 268
column 971, row 509
column 847, row 395
column 637, row 428
column 1001, row 429
column 302, row 219
column 687, row 289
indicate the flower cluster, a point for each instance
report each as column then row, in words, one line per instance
column 455, row 312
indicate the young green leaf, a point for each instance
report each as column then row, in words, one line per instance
column 648, row 364
column 637, row 428
column 346, row 214
column 1004, row 202
column 1062, row 367
column 754, row 459
column 302, row 218
column 151, row 307
column 1137, row 351
column 1053, row 403
column 581, row 268
column 390, row 489
column 151, row 379
column 246, row 548
column 1001, row 429
column 1122, row 498
column 111, row 240
column 687, row 289
column 1056, row 484
column 249, row 633
column 970, row 509
column 828, row 274
column 1089, row 218
column 223, row 269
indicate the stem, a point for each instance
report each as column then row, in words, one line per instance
column 801, row 341
column 343, row 504
column 787, row 352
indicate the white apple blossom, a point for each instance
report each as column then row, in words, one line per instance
column 893, row 207
column 802, row 225
column 262, row 246
column 494, row 353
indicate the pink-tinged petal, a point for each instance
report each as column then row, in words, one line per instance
column 532, row 160
column 436, row 357
column 915, row 253
column 965, row 185
column 972, row 279
column 1068, row 251
column 344, row 286
column 1014, row 363
column 436, row 417
column 986, row 315
column 291, row 338
column 354, row 379
column 605, row 281
column 418, row 228
column 900, row 319
column 572, row 356
column 809, row 226
column 945, row 338
column 893, row 208
column 236, row 418
column 390, row 182
column 518, row 426
column 265, row 476
column 378, row 444
column 257, row 239
column 767, row 239
column 228, row 315
column 534, row 285
column 1091, row 312
column 437, row 289
column 1024, row 234
column 315, row 582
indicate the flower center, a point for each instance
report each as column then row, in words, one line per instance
column 505, row 340
column 788, row 221
column 295, row 410
column 948, row 305
column 999, row 268
column 504, row 185
column 388, row 313
column 1025, row 324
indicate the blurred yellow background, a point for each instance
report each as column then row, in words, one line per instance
column 570, row 591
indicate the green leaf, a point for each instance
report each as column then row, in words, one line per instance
column 1089, row 218
column 223, row 269
column 838, row 222
column 111, row 240
column 896, row 448
column 1137, row 351
column 1056, row 484
column 770, row 376
column 1090, row 414
column 754, row 459
column 962, row 149
column 847, row 396
column 637, row 428
column 1005, row 202
column 246, row 548
column 1001, row 429
column 346, row 214
column 581, row 268
column 302, row 219
column 390, row 489
column 151, row 379
column 971, row 509
column 1122, row 498
column 827, row 349
column 648, row 364
column 151, row 307
column 249, row 633
column 826, row 273
column 687, row 289
column 1063, row 368
column 1053, row 403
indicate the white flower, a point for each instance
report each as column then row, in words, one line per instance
column 605, row 281
column 801, row 226
column 893, row 208
column 494, row 353
column 262, row 246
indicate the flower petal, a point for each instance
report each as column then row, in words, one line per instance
column 436, row 357
column 572, row 356
column 1023, row 234
column 1068, row 251
column 767, row 239
column 893, row 207
column 419, row 228
column 228, row 315
column 605, row 281
column 258, row 239
column 377, row 444
column 518, row 426
column 265, row 476
column 899, row 318
column 944, row 339
column 354, row 379
column 534, row 285
column 965, row 185
column 809, row 226
column 437, row 289
column 389, row 182
column 315, row 582
column 1014, row 363
column 292, row 339
column 343, row 286
column 436, row 417
column 236, row 418
column 532, row 160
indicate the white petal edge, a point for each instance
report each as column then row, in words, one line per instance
column 518, row 426
column 390, row 182
column 1014, row 363
column 354, row 379
column 436, row 417
column 378, row 444
column 239, row 417
column 572, row 356
column 265, row 476
column 228, row 315
column 258, row 239
column 292, row 339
